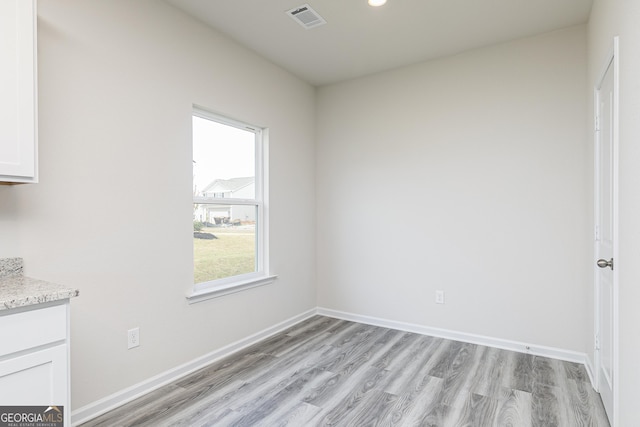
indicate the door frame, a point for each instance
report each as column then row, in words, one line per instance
column 613, row 60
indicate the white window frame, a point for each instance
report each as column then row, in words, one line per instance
column 229, row 285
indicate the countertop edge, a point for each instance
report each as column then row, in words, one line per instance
column 21, row 291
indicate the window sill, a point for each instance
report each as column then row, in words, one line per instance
column 231, row 288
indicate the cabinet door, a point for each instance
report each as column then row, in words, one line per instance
column 35, row 379
column 18, row 92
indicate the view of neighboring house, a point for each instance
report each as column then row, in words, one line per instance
column 233, row 188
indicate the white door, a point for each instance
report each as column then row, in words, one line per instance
column 606, row 232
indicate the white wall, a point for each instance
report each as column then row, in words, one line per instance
column 611, row 18
column 8, row 229
column 112, row 212
column 482, row 159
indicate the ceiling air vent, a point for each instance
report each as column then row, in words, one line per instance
column 306, row 16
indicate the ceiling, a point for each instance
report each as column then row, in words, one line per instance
column 359, row 39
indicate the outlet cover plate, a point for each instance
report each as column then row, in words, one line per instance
column 133, row 338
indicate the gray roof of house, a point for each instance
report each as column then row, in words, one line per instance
column 226, row 185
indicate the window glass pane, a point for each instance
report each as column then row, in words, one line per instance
column 223, row 160
column 224, row 241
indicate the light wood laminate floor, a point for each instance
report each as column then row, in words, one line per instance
column 329, row 372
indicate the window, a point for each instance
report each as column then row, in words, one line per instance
column 229, row 212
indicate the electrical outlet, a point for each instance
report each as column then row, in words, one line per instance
column 439, row 297
column 133, row 338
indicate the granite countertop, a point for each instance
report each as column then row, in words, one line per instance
column 17, row 290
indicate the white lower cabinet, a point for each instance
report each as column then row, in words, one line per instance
column 34, row 357
column 37, row 378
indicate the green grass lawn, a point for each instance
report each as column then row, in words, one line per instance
column 231, row 254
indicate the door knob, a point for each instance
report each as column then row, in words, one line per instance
column 603, row 263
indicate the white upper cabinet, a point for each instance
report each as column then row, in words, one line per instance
column 18, row 91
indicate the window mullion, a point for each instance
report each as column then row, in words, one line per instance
column 229, row 201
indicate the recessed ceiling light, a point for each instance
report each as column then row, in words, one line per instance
column 376, row 3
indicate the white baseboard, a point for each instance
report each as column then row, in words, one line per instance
column 588, row 365
column 115, row 400
column 538, row 350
